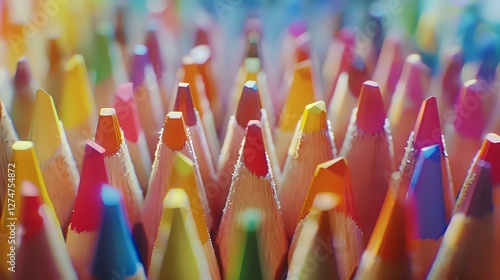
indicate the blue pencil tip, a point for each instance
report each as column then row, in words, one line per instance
column 427, row 193
column 116, row 255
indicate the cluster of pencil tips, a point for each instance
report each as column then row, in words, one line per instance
column 203, row 148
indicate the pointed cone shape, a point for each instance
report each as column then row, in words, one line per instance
column 184, row 104
column 126, row 109
column 174, row 133
column 154, row 52
column 88, row 204
column 103, row 64
column 452, row 79
column 254, row 153
column 426, row 192
column 54, row 54
column 22, row 77
column 428, row 126
column 490, row 152
column 471, row 123
column 246, row 265
column 477, row 199
column 139, row 63
column 249, row 105
column 371, row 115
column 301, row 93
column 415, row 76
column 331, row 177
column 45, row 131
column 302, row 47
column 115, row 253
column 358, row 74
column 77, row 102
column 253, row 41
column 108, row 133
column 314, row 118
column 191, row 73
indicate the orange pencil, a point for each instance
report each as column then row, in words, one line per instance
column 387, row 253
column 23, row 99
column 301, row 91
column 184, row 104
column 325, row 225
column 128, row 116
column 55, row 71
column 83, row 231
column 119, row 165
column 57, row 165
column 249, row 108
column 174, row 138
column 189, row 73
column 40, row 234
column 345, row 98
column 77, row 109
column 368, row 150
column 312, row 144
column 147, row 97
column 253, row 187
column 8, row 136
column 410, row 91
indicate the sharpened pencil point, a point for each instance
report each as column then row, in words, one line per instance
column 314, row 117
column 371, row 114
column 428, row 126
column 254, row 154
column 22, row 77
column 126, row 110
column 471, row 123
column 249, row 105
column 184, row 104
column 357, row 75
column 108, row 133
column 490, row 152
column 174, row 133
column 139, row 63
column 416, row 76
column 476, row 196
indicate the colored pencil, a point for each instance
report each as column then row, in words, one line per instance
column 105, row 83
column 40, row 234
column 77, row 109
column 178, row 253
column 253, row 187
column 8, row 136
column 83, row 231
column 174, row 138
column 128, row 117
column 55, row 70
column 147, row 97
column 57, row 165
column 409, row 93
column 118, row 164
column 312, row 144
column 368, row 150
column 23, row 99
column 156, row 58
column 116, row 255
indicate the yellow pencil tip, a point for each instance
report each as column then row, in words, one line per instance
column 183, row 165
column 77, row 101
column 314, row 117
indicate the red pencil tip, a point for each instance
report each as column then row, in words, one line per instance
column 303, row 47
column 174, row 131
column 126, row 110
column 154, row 52
column 88, row 207
column 357, row 75
column 428, row 126
column 452, row 80
column 184, row 104
column 490, row 152
column 416, row 76
column 249, row 104
column 31, row 220
column 254, row 153
column 22, row 77
column 371, row 114
column 471, row 123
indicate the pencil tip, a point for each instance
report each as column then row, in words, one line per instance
column 416, row 78
column 254, row 153
column 428, row 126
column 314, row 117
column 103, row 64
column 427, row 194
column 249, row 105
column 88, row 207
column 174, row 133
column 471, row 123
column 153, row 47
column 452, row 79
column 126, row 110
column 22, row 77
column 358, row 74
column 115, row 248
column 31, row 220
column 253, row 40
column 184, row 104
column 139, row 63
column 477, row 197
column 371, row 114
column 108, row 132
column 490, row 152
